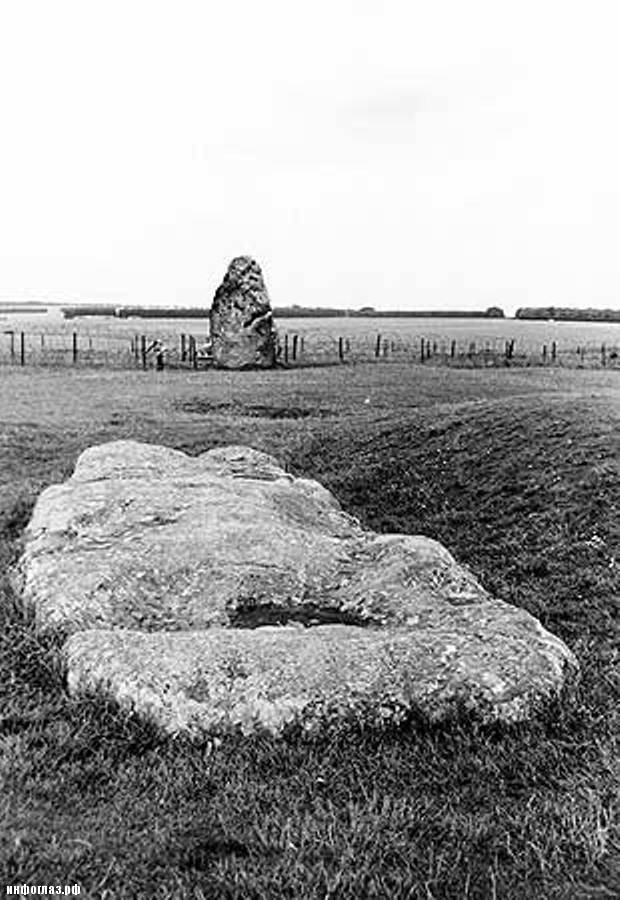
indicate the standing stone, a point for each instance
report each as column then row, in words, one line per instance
column 242, row 331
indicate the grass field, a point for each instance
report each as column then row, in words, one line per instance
column 524, row 332
column 107, row 341
column 516, row 471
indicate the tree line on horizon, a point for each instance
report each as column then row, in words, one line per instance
column 540, row 313
column 299, row 312
column 283, row 312
column 568, row 314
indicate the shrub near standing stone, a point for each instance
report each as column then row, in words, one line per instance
column 242, row 331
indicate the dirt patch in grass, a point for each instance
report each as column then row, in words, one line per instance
column 256, row 410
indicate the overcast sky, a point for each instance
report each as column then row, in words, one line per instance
column 444, row 153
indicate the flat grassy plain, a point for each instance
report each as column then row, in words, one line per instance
column 106, row 341
column 516, row 471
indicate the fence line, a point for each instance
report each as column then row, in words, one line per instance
column 191, row 351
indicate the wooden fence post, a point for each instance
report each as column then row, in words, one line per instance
column 183, row 349
column 295, row 346
column 302, row 343
column 12, row 334
column 378, row 346
column 554, row 351
column 544, row 353
column 452, row 349
column 286, row 349
column 74, row 348
column 340, row 349
column 422, row 350
column 42, row 341
column 136, row 347
column 194, row 353
column 603, row 355
column 22, row 348
column 143, row 350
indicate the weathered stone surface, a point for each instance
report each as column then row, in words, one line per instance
column 271, row 678
column 168, row 572
column 243, row 334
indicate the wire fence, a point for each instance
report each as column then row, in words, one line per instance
column 192, row 351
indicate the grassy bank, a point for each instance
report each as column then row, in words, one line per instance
column 516, row 472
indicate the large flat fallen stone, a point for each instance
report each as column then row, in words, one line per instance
column 168, row 573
